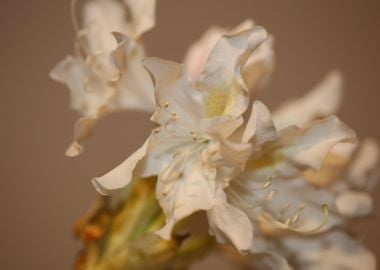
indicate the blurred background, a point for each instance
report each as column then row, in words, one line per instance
column 43, row 192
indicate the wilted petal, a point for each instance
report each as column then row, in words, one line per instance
column 227, row 221
column 82, row 130
column 321, row 101
column 122, row 174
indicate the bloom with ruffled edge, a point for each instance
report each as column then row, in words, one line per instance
column 191, row 150
column 105, row 73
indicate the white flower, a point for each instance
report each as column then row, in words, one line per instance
column 342, row 182
column 271, row 190
column 105, row 73
column 258, row 68
column 192, row 150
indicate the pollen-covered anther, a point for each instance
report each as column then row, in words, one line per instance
column 166, row 105
column 157, row 130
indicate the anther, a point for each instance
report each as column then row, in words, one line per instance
column 271, row 194
column 166, row 105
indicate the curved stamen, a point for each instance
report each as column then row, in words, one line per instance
column 285, row 225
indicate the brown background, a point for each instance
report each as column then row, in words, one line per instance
column 43, row 192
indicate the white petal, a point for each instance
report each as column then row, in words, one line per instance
column 321, row 101
column 196, row 56
column 101, row 18
column 228, row 56
column 174, row 93
column 365, row 163
column 142, row 16
column 259, row 125
column 354, row 204
column 135, row 87
column 82, row 130
column 122, row 174
column 260, row 65
column 221, row 80
column 310, row 145
column 227, row 221
column 183, row 192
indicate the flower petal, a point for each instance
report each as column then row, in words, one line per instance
column 259, row 125
column 229, row 55
column 101, row 18
column 82, row 130
column 173, row 92
column 142, row 16
column 227, row 221
column 181, row 192
column 364, row 164
column 309, row 107
column 353, row 204
column 122, row 174
column 310, row 145
column 222, row 81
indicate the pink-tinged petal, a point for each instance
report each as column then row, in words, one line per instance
column 322, row 101
column 122, row 175
column 198, row 53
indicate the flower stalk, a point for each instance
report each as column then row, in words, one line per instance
column 120, row 235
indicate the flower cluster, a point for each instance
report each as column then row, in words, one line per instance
column 281, row 186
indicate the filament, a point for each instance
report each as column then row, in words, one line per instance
column 285, row 225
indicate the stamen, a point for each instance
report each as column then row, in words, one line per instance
column 166, row 105
column 157, row 130
column 325, row 210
